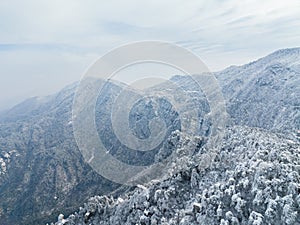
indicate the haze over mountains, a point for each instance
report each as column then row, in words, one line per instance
column 43, row 173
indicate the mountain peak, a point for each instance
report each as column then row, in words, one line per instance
column 287, row 57
column 285, row 51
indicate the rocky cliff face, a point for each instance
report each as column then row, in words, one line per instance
column 42, row 172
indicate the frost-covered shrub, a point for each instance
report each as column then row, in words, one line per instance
column 255, row 182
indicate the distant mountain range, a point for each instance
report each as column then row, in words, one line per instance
column 42, row 172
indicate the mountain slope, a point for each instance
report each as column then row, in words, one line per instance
column 265, row 93
column 45, row 171
column 254, row 180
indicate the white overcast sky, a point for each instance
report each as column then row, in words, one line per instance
column 45, row 45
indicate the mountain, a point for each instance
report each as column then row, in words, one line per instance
column 43, row 173
column 265, row 93
column 254, row 178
